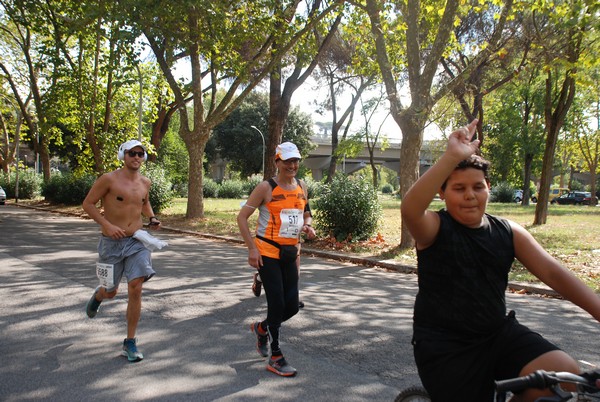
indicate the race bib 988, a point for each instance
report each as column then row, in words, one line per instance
column 106, row 274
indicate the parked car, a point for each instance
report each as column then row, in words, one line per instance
column 2, row 196
column 518, row 196
column 554, row 193
column 574, row 198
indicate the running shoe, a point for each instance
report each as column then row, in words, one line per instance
column 93, row 305
column 130, row 350
column 256, row 285
column 281, row 367
column 262, row 341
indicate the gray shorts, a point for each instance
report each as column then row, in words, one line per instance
column 128, row 256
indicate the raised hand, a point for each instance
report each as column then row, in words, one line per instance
column 460, row 144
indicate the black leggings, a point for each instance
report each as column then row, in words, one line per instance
column 280, row 281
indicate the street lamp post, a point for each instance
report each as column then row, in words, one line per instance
column 141, row 104
column 263, row 153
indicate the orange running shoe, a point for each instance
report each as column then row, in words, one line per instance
column 281, row 367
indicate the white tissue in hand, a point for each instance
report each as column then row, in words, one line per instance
column 149, row 241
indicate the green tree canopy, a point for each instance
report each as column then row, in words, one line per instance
column 237, row 142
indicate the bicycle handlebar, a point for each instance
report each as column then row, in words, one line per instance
column 545, row 379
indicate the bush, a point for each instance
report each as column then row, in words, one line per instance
column 503, row 192
column 231, row 189
column 180, row 189
column 67, row 189
column 348, row 208
column 576, row 185
column 251, row 183
column 161, row 194
column 387, row 189
column 52, row 189
column 314, row 188
column 210, row 189
column 30, row 184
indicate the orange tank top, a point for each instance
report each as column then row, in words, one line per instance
column 281, row 219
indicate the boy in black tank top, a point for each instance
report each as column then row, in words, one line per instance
column 463, row 339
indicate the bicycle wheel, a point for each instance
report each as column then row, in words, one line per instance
column 413, row 394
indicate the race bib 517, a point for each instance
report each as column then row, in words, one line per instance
column 291, row 222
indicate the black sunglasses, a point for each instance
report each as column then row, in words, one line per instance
column 290, row 161
column 134, row 153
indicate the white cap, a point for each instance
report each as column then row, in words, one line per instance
column 286, row 151
column 126, row 146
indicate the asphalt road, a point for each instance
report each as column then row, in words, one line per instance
column 350, row 343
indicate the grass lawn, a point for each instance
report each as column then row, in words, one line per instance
column 571, row 234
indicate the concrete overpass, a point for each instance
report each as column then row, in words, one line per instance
column 319, row 158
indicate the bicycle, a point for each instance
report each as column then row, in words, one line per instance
column 413, row 393
column 585, row 383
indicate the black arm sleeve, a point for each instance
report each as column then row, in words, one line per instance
column 307, row 209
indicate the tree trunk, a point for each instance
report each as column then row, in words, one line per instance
column 195, row 143
column 160, row 126
column 554, row 121
column 45, row 161
column 334, row 158
column 280, row 101
column 374, row 172
column 594, row 200
column 279, row 107
column 422, row 67
column 527, row 178
column 412, row 125
column 335, row 128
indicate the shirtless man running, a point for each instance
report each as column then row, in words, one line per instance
column 124, row 194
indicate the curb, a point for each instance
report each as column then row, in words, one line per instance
column 515, row 287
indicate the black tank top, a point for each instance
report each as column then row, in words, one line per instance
column 463, row 277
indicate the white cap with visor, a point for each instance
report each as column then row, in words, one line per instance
column 287, row 150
